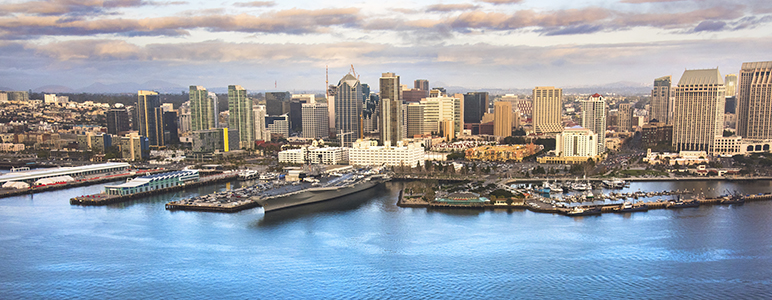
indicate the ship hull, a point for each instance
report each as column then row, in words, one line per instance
column 314, row 195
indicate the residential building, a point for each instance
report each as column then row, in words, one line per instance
column 185, row 121
column 698, row 110
column 368, row 153
column 392, row 122
column 203, row 109
column 348, row 109
column 654, row 133
column 150, row 117
column 215, row 140
column 594, row 118
column 241, row 116
column 261, row 132
column 134, row 147
column 754, row 107
column 278, row 125
column 660, row 100
column 315, row 120
column 547, row 109
column 502, row 153
column 315, row 155
column 100, row 143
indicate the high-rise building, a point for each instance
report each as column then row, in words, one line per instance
column 150, row 117
column 241, row 116
column 698, row 110
column 332, row 90
column 117, row 120
column 278, row 125
column 594, row 118
column 296, row 110
column 576, row 141
column 475, row 106
column 754, row 101
column 659, row 108
column 391, row 110
column 415, row 119
column 171, row 133
column 503, row 118
column 625, row 117
column 348, row 109
column 315, row 120
column 261, row 133
column 730, row 82
column 185, row 121
column 421, row 84
column 547, row 109
column 443, row 109
column 277, row 103
column 203, row 109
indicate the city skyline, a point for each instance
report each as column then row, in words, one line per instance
column 287, row 45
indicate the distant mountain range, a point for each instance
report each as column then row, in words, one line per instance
column 621, row 87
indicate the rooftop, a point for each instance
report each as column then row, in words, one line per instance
column 701, row 76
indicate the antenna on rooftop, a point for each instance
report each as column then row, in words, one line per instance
column 326, row 82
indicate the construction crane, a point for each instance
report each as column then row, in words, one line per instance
column 353, row 72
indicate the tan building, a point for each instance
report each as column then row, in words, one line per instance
column 698, row 110
column 659, row 108
column 503, row 120
column 391, row 109
column 754, row 101
column 502, row 153
column 625, row 117
column 730, row 82
column 547, row 109
column 443, row 108
column 594, row 118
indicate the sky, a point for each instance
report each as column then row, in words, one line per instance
column 286, row 45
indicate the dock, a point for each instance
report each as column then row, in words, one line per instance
column 105, row 199
column 83, row 182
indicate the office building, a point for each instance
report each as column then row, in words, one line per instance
column 594, row 118
column 659, row 107
column 277, row 103
column 475, row 106
column 391, row 118
column 171, row 132
column 655, row 133
column 150, row 118
column 754, row 101
column 215, row 140
column 203, row 109
column 185, row 121
column 118, row 120
column 315, row 120
column 625, row 117
column 241, row 116
column 421, row 84
column 547, row 109
column 503, row 119
column 277, row 125
column 698, row 110
column 261, row 132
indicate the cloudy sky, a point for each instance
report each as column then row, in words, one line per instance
column 476, row 44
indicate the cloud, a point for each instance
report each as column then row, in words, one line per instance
column 255, row 4
column 578, row 29
column 59, row 7
column 710, row 26
column 450, row 7
column 499, row 2
column 648, row 1
column 291, row 21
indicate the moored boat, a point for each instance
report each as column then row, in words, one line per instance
column 630, row 207
column 583, row 211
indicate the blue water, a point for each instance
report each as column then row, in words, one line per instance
column 364, row 247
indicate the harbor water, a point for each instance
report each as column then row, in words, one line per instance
column 363, row 246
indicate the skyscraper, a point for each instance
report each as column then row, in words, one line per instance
column 698, row 110
column 118, row 120
column 348, row 109
column 241, row 116
column 594, row 118
column 625, row 117
column 277, row 103
column 502, row 120
column 415, row 119
column 150, row 117
column 547, row 109
column 475, row 106
column 391, row 109
column 754, row 101
column 203, row 111
column 730, row 82
column 659, row 108
column 421, row 84
column 171, row 132
column 315, row 120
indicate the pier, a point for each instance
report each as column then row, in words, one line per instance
column 105, row 199
column 83, row 182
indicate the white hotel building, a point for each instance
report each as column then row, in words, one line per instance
column 326, row 155
column 368, row 153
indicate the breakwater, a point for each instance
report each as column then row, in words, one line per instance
column 105, row 199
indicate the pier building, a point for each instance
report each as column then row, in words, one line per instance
column 75, row 172
column 153, row 182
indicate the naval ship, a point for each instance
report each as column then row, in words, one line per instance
column 337, row 187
